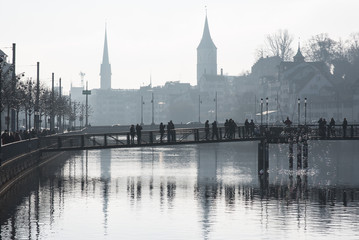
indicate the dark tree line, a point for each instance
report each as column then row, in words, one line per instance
column 341, row 56
column 22, row 99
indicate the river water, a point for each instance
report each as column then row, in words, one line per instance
column 204, row 191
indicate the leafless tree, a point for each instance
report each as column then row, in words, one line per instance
column 279, row 44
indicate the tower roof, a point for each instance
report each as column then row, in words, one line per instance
column 206, row 41
column 105, row 58
column 299, row 56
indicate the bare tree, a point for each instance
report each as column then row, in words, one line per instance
column 279, row 44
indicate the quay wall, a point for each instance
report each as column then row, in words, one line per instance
column 19, row 159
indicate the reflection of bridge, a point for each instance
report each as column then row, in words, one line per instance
column 298, row 135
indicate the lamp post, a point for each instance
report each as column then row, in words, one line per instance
column 13, row 87
column 153, row 110
column 142, row 102
column 199, row 108
column 216, row 105
column 267, row 112
column 36, row 110
column 298, row 111
column 52, row 113
column 305, row 111
column 1, row 60
column 261, row 112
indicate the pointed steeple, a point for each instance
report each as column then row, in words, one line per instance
column 299, row 56
column 206, row 41
column 105, row 58
column 105, row 67
column 206, row 54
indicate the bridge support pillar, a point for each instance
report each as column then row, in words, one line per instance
column 305, row 154
column 299, row 155
column 263, row 157
column 290, row 154
column 105, row 140
column 82, row 141
column 151, row 137
column 196, row 135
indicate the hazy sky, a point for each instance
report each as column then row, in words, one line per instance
column 157, row 37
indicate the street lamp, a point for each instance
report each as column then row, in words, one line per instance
column 298, row 111
column 267, row 111
column 216, row 105
column 153, row 110
column 1, row 61
column 142, row 102
column 305, row 111
column 261, row 112
column 199, row 108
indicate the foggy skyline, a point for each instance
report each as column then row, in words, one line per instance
column 157, row 38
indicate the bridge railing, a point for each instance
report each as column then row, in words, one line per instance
column 183, row 135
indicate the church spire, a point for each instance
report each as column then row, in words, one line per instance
column 206, row 41
column 206, row 54
column 299, row 56
column 105, row 66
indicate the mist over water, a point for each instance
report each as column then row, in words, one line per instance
column 205, row 191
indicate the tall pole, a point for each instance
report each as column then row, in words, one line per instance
column 216, row 105
column 267, row 111
column 36, row 110
column 86, row 109
column 298, row 111
column 60, row 112
column 199, row 108
column 305, row 111
column 13, row 87
column 1, row 60
column 52, row 116
column 142, row 110
column 153, row 110
column 261, row 112
column 255, row 107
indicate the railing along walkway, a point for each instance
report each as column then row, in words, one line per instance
column 273, row 134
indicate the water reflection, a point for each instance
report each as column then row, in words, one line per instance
column 195, row 192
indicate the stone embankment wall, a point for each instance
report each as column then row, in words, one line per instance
column 18, row 159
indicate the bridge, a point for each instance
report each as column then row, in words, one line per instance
column 11, row 163
column 264, row 135
column 269, row 134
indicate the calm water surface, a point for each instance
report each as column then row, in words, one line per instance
column 205, row 191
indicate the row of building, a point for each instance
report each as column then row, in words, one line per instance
column 303, row 91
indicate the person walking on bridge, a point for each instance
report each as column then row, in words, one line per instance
column 132, row 134
column 206, row 129
column 345, row 125
column 331, row 130
column 162, row 131
column 214, row 130
column 246, row 127
column 287, row 122
column 138, row 132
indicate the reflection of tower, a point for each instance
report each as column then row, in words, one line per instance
column 105, row 156
column 105, row 67
column 207, row 182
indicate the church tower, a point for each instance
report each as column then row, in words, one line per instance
column 105, row 67
column 298, row 58
column 206, row 54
